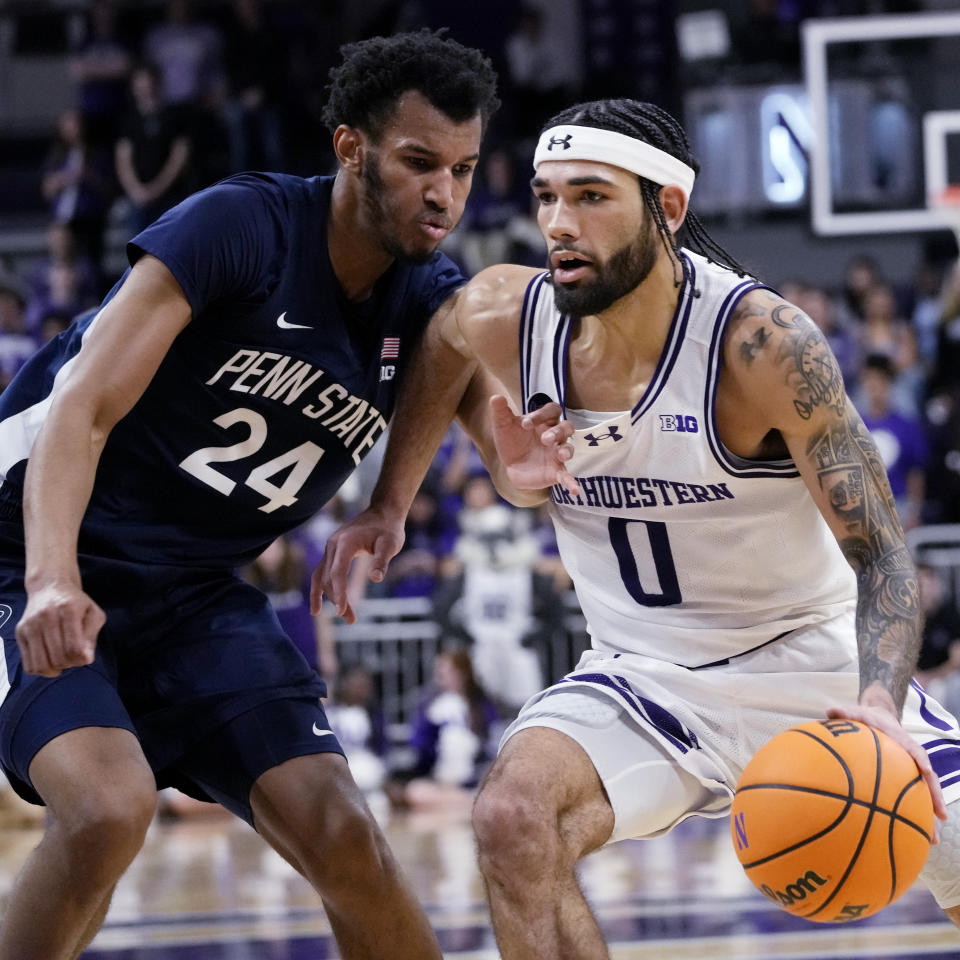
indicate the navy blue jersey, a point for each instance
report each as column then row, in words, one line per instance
column 265, row 403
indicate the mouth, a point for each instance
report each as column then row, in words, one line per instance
column 569, row 266
column 435, row 227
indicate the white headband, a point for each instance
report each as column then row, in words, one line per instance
column 569, row 142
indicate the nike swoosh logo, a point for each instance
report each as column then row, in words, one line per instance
column 284, row 325
column 321, row 733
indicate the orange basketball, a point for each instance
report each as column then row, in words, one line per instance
column 832, row 820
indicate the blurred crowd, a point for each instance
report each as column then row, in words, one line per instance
column 166, row 104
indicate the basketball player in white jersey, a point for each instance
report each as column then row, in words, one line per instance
column 721, row 508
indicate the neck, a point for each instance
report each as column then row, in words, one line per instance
column 635, row 327
column 357, row 259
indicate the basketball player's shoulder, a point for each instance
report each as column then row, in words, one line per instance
column 761, row 327
column 777, row 355
column 492, row 300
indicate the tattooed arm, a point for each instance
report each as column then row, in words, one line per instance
column 787, row 386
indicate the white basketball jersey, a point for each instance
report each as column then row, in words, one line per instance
column 679, row 549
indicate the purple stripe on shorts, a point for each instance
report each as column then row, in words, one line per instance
column 660, row 719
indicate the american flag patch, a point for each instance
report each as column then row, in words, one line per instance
column 391, row 348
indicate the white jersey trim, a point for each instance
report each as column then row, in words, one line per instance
column 671, row 349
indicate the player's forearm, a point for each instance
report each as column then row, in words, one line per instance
column 888, row 619
column 888, row 595
column 475, row 420
column 432, row 390
column 59, row 481
column 509, row 492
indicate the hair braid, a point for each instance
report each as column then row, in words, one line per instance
column 653, row 125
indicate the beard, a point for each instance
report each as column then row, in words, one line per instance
column 623, row 272
column 383, row 215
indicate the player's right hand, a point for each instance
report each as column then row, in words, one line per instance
column 58, row 629
column 371, row 532
column 533, row 448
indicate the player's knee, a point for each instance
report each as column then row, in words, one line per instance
column 104, row 831
column 515, row 833
column 350, row 849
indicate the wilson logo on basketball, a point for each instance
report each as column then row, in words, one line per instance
column 795, row 891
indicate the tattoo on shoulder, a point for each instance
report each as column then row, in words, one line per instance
column 751, row 347
column 851, row 473
column 812, row 371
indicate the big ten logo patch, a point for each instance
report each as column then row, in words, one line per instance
column 679, row 423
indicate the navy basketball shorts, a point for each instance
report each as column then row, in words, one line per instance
column 192, row 662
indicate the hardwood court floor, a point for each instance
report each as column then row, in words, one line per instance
column 212, row 890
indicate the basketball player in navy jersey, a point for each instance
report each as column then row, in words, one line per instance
column 228, row 385
column 721, row 509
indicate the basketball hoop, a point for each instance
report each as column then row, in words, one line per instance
column 947, row 206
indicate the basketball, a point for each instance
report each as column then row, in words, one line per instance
column 831, row 820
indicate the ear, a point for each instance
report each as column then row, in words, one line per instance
column 674, row 203
column 349, row 144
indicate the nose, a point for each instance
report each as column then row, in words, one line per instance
column 558, row 222
column 439, row 191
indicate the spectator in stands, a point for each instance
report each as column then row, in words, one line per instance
column 359, row 723
column 52, row 324
column 16, row 344
column 100, row 67
column 538, row 76
column 900, row 439
column 188, row 56
column 78, row 184
column 64, row 281
column 882, row 331
column 947, row 373
column 455, row 462
column 281, row 572
column 413, row 571
column 497, row 224
column 817, row 304
column 861, row 274
column 153, row 153
column 938, row 666
column 255, row 58
column 488, row 595
column 943, row 464
column 452, row 738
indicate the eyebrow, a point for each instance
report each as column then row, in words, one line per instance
column 574, row 182
column 427, row 152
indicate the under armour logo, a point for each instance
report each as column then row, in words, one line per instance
column 612, row 434
column 560, row 142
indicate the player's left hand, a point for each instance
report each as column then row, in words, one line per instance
column 882, row 717
column 371, row 531
column 533, row 448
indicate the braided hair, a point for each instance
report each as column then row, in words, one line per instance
column 653, row 125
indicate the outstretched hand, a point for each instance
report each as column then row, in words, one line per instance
column 880, row 718
column 368, row 532
column 533, row 448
